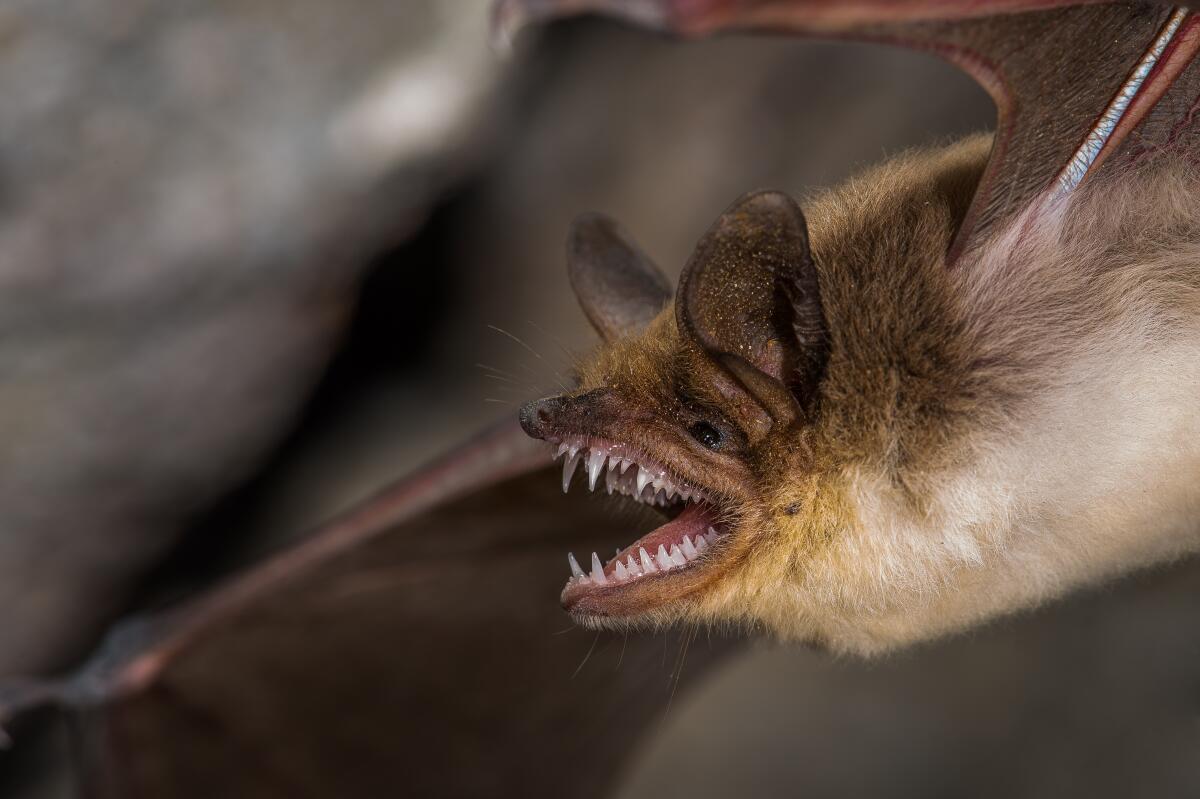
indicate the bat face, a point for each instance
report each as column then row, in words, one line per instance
column 858, row 447
column 654, row 433
column 735, row 409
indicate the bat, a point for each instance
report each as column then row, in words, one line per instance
column 796, row 410
column 959, row 385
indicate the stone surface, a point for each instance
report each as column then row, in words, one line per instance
column 188, row 194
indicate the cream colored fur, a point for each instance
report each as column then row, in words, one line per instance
column 1089, row 468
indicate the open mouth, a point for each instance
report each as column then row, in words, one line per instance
column 684, row 544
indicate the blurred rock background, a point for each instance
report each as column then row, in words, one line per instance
column 259, row 260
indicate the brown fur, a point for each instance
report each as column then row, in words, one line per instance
column 986, row 436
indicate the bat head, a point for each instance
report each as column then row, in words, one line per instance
column 730, row 408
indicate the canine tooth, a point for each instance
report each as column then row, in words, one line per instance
column 643, row 478
column 662, row 558
column 648, row 566
column 632, row 565
column 569, row 470
column 574, row 564
column 574, row 450
column 701, row 544
column 594, row 465
column 621, row 572
column 597, row 574
column 689, row 551
column 677, row 557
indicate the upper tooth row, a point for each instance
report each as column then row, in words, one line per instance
column 632, row 568
column 663, row 490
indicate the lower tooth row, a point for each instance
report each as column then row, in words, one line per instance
column 632, row 568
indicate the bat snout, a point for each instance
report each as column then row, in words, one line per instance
column 537, row 416
column 593, row 413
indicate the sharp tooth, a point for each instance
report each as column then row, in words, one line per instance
column 648, row 566
column 573, row 451
column 621, row 572
column 701, row 544
column 561, row 449
column 643, row 477
column 689, row 551
column 632, row 565
column 597, row 574
column 713, row 534
column 574, row 564
column 569, row 470
column 625, row 464
column 677, row 557
column 662, row 559
column 594, row 465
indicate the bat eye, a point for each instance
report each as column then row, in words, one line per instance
column 706, row 434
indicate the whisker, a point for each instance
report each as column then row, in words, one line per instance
column 531, row 350
column 570, row 356
column 586, row 657
column 558, row 378
column 496, row 370
column 688, row 635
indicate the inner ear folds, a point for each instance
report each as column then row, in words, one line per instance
column 618, row 286
column 750, row 298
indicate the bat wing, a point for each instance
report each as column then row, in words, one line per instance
column 414, row 647
column 1079, row 88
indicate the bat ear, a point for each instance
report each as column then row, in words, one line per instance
column 618, row 286
column 750, row 297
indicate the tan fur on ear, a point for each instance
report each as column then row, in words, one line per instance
column 989, row 436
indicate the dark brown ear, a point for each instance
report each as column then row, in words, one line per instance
column 618, row 286
column 750, row 297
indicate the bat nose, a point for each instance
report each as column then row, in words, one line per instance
column 538, row 415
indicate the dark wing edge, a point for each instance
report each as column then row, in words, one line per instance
column 1079, row 87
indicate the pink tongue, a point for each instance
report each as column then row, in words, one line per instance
column 693, row 521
